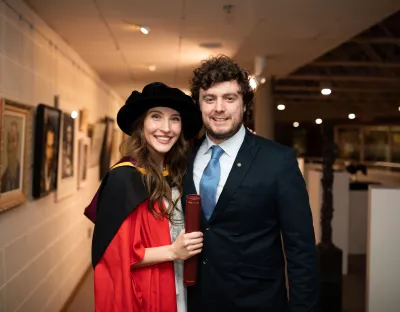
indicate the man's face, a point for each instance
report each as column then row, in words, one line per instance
column 49, row 145
column 12, row 141
column 222, row 110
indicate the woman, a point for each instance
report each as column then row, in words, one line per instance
column 139, row 243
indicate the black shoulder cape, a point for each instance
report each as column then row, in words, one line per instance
column 120, row 192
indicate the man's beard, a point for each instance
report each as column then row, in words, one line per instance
column 226, row 135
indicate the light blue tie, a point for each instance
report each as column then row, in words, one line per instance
column 209, row 182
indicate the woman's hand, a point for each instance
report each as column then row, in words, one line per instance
column 187, row 245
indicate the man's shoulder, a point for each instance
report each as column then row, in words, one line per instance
column 270, row 146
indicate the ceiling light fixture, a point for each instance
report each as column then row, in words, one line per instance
column 211, row 45
column 145, row 30
column 152, row 68
column 281, row 107
column 74, row 114
column 318, row 121
column 253, row 82
column 326, row 88
column 326, row 91
column 352, row 116
column 296, row 124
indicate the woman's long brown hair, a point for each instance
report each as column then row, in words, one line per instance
column 137, row 148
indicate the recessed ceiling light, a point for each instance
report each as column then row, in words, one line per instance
column 318, row 121
column 152, row 68
column 326, row 91
column 144, row 30
column 253, row 82
column 211, row 45
column 281, row 107
column 74, row 114
column 352, row 116
column 296, row 124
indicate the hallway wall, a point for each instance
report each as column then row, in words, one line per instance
column 44, row 244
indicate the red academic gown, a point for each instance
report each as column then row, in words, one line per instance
column 124, row 227
column 118, row 286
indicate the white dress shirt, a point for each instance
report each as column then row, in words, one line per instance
column 231, row 148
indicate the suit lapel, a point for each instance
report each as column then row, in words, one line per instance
column 240, row 167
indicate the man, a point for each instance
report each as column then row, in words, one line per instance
column 253, row 193
column 11, row 176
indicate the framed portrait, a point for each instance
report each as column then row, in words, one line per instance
column 66, row 177
column 97, row 134
column 116, row 142
column 83, row 120
column 47, row 142
column 105, row 159
column 83, row 161
column 68, row 139
column 16, row 137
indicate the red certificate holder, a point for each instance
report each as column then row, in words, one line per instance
column 192, row 224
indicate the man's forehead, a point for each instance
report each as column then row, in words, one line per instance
column 223, row 88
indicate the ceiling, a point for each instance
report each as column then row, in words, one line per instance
column 290, row 33
column 363, row 74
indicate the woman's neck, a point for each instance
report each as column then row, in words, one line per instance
column 158, row 159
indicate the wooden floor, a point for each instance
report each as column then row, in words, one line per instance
column 353, row 290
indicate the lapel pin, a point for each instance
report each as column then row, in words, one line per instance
column 239, row 164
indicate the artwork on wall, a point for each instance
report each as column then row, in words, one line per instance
column 97, row 136
column 47, row 136
column 66, row 177
column 105, row 159
column 83, row 120
column 83, row 162
column 116, row 141
column 16, row 138
column 68, row 136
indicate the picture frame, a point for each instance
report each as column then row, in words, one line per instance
column 67, row 172
column 116, row 142
column 47, row 142
column 83, row 161
column 105, row 158
column 97, row 132
column 16, row 153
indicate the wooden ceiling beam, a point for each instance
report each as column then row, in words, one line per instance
column 342, row 78
column 344, row 90
column 376, row 40
column 354, row 64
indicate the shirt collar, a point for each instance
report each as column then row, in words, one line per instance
column 230, row 146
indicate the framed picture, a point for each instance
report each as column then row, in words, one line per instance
column 97, row 135
column 105, row 159
column 68, row 139
column 83, row 120
column 83, row 162
column 66, row 177
column 116, row 142
column 47, row 142
column 16, row 137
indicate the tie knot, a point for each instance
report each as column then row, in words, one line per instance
column 216, row 152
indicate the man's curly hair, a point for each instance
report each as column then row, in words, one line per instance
column 220, row 69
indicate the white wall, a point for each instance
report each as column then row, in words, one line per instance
column 383, row 250
column 45, row 246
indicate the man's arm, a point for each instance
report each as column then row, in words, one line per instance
column 298, row 236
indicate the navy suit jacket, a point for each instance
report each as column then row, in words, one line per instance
column 242, row 265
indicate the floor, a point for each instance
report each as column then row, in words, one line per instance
column 353, row 290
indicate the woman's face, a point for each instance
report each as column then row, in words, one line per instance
column 162, row 127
